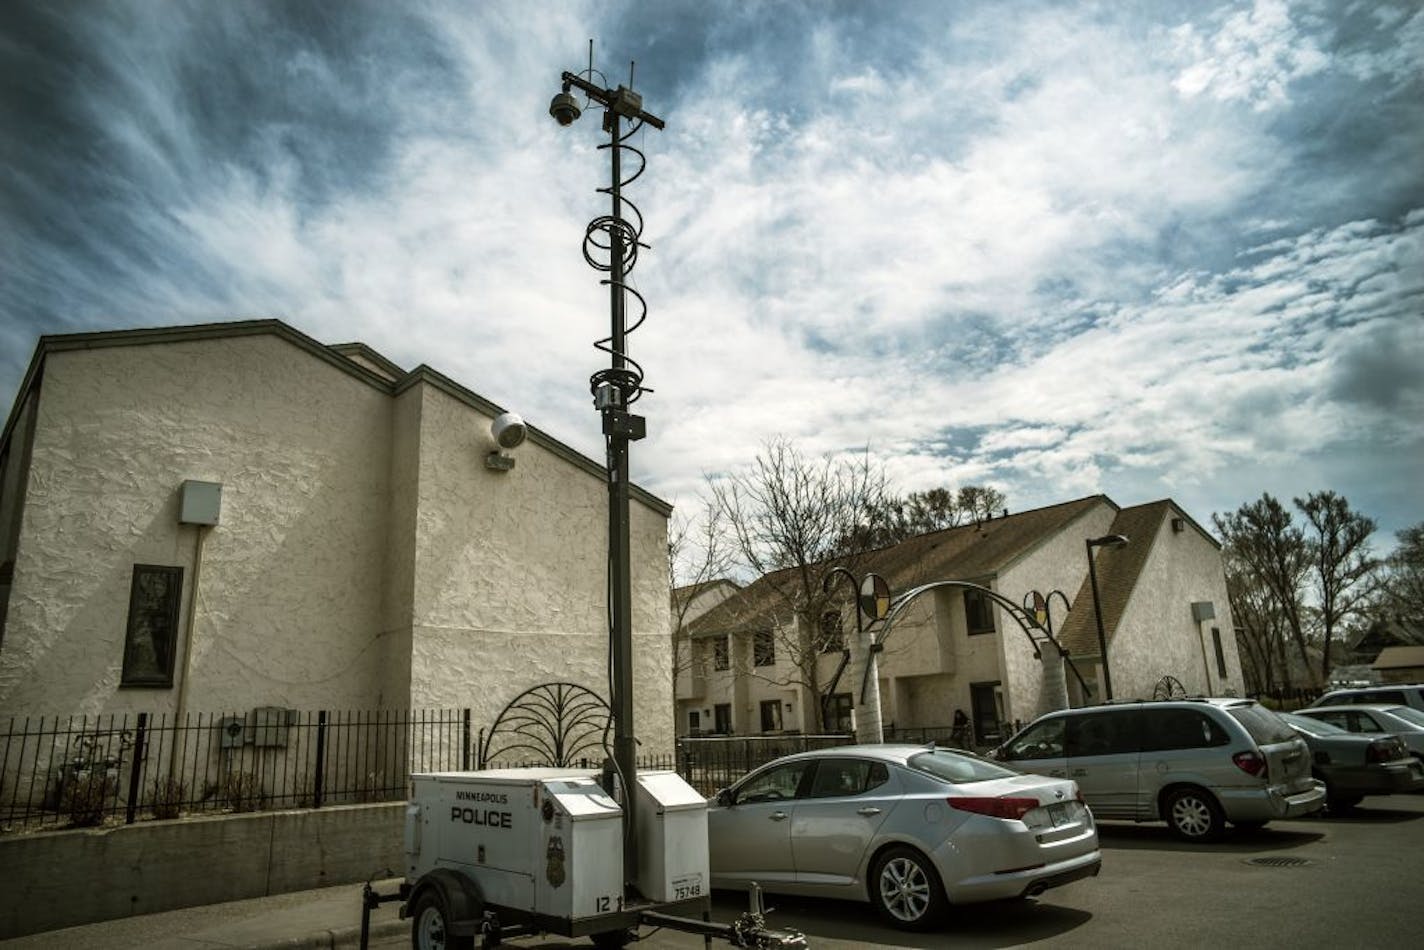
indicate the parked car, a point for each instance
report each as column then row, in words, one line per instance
column 912, row 829
column 1195, row 764
column 1353, row 765
column 1394, row 694
column 1374, row 718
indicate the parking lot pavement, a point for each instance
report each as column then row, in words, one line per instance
column 1346, row 881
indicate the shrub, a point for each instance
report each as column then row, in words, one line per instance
column 86, row 797
column 168, row 797
column 243, row 792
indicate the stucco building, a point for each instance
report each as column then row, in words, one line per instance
column 1165, row 614
column 235, row 515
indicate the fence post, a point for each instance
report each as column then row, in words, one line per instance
column 465, row 742
column 320, row 758
column 135, row 776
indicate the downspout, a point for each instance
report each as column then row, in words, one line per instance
column 188, row 635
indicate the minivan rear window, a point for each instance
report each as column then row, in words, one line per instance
column 1263, row 725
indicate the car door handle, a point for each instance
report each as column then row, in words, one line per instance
column 777, row 816
column 868, row 811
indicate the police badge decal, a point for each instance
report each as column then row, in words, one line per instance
column 554, row 861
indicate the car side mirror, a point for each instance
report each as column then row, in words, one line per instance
column 997, row 753
column 724, row 798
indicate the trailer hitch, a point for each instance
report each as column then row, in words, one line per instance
column 749, row 930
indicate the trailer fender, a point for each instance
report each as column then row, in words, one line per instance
column 464, row 905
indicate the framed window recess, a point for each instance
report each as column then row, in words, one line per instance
column 151, row 638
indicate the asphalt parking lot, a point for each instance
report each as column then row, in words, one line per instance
column 1351, row 881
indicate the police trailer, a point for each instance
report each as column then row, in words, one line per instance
column 503, row 852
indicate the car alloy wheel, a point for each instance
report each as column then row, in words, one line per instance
column 907, row 890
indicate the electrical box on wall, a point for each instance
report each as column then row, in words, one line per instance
column 269, row 725
column 200, row 503
column 232, row 732
column 1203, row 610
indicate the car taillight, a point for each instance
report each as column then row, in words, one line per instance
column 1384, row 750
column 1012, row 809
column 1252, row 763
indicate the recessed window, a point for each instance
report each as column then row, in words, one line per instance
column 153, row 626
column 771, row 715
column 978, row 612
column 721, row 656
column 1220, row 655
column 763, row 648
column 838, row 713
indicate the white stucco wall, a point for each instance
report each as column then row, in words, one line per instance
column 1157, row 635
column 510, row 577
column 1059, row 563
column 290, row 591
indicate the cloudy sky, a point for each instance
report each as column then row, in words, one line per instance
column 1151, row 249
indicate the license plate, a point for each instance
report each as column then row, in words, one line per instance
column 1058, row 814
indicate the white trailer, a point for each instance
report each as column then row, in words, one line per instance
column 506, row 851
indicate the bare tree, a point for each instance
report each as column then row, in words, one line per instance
column 920, row 513
column 1344, row 572
column 1261, row 625
column 1404, row 576
column 698, row 554
column 788, row 516
column 1274, row 548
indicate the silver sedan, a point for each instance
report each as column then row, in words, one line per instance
column 1375, row 719
column 911, row 829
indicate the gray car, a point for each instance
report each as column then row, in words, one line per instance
column 1392, row 694
column 911, row 829
column 1195, row 764
column 1376, row 719
column 1353, row 765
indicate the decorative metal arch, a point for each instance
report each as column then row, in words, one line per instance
column 1169, row 687
column 555, row 724
column 1026, row 621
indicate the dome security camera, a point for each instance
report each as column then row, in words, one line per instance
column 564, row 108
column 509, row 430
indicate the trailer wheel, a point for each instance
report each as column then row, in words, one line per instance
column 428, row 925
column 612, row 939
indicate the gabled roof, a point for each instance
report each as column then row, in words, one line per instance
column 1397, row 658
column 350, row 358
column 1118, row 570
column 967, row 552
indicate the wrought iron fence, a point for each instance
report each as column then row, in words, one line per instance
column 712, row 763
column 60, row 771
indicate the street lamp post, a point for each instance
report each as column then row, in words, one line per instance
column 1106, row 541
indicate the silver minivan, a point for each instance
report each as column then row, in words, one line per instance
column 1194, row 763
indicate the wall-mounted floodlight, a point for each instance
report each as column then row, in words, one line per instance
column 509, row 432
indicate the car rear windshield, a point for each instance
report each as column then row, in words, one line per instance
column 1409, row 715
column 953, row 767
column 1316, row 727
column 1263, row 725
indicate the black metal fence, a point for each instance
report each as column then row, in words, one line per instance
column 713, row 763
column 59, row 772
column 87, row 770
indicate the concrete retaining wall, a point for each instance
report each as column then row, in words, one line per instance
column 64, row 878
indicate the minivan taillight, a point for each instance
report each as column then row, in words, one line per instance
column 1012, row 809
column 1384, row 750
column 1252, row 763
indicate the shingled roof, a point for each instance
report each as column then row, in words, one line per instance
column 967, row 552
column 1118, row 570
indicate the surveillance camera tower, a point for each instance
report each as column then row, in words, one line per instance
column 611, row 244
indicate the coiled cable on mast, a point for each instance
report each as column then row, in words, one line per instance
column 599, row 238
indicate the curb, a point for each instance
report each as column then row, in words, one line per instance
column 340, row 938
